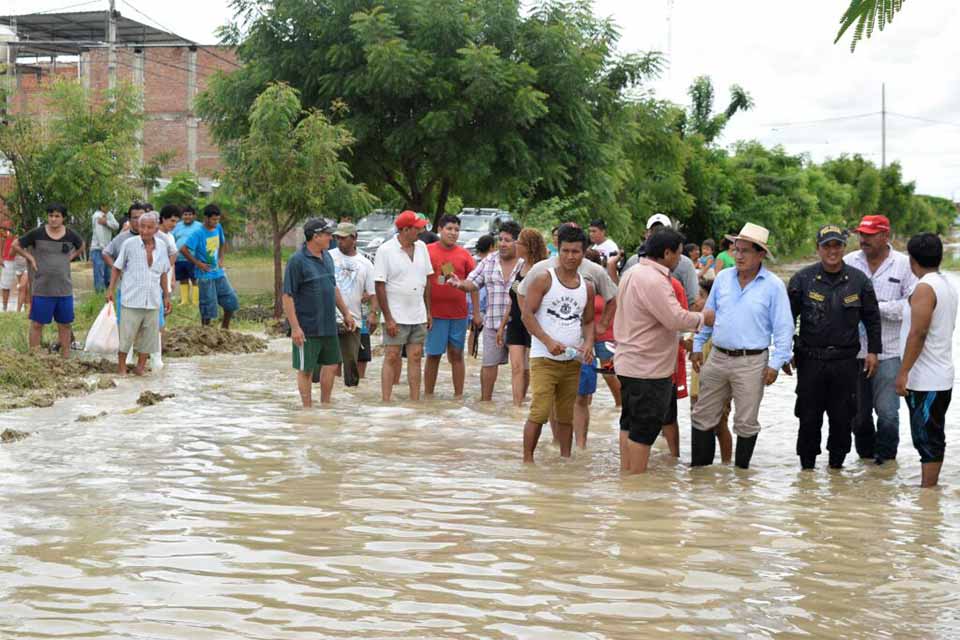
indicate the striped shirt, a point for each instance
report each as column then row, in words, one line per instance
column 140, row 286
column 893, row 282
column 488, row 273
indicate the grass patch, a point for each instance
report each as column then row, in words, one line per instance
column 255, row 256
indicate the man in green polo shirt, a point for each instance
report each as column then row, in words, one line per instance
column 310, row 301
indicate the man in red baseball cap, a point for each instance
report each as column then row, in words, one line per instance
column 892, row 279
column 409, row 219
column 400, row 271
column 872, row 225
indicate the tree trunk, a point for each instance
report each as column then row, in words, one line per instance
column 442, row 201
column 277, row 272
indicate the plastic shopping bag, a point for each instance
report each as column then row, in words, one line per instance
column 104, row 336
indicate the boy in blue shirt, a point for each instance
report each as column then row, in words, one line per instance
column 205, row 248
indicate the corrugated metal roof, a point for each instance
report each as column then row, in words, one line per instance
column 69, row 33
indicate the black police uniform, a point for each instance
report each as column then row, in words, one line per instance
column 831, row 307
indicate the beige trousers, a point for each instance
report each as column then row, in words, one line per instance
column 723, row 377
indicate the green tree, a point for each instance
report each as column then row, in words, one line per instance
column 701, row 119
column 149, row 174
column 183, row 190
column 82, row 155
column 287, row 165
column 863, row 177
column 867, row 15
column 444, row 97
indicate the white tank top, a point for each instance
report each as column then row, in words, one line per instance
column 561, row 316
column 933, row 370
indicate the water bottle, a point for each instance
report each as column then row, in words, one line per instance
column 573, row 354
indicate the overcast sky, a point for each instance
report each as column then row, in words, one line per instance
column 780, row 52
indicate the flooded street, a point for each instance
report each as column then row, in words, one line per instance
column 226, row 512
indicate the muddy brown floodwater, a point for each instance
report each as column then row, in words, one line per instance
column 227, row 513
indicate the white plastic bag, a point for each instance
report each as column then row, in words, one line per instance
column 104, row 336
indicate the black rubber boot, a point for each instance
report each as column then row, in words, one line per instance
column 703, row 447
column 808, row 463
column 836, row 461
column 744, row 451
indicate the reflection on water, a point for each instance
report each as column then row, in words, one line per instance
column 228, row 513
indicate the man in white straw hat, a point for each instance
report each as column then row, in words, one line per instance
column 751, row 305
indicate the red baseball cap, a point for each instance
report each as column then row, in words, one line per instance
column 409, row 219
column 873, row 224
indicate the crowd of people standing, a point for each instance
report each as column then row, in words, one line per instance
column 861, row 328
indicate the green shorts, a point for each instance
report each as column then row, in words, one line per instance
column 316, row 352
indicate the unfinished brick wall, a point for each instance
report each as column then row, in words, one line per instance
column 170, row 77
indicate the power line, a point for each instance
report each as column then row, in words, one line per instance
column 71, row 6
column 163, row 27
column 821, row 121
column 929, row 120
column 169, row 30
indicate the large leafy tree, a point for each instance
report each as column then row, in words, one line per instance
column 287, row 165
column 82, row 155
column 472, row 97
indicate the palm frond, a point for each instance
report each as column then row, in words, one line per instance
column 867, row 15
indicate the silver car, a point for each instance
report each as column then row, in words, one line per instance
column 372, row 231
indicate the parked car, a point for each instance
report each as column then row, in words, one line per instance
column 477, row 222
column 373, row 230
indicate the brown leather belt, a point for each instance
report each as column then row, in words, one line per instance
column 739, row 353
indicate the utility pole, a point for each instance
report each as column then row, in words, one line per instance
column 112, row 44
column 883, row 126
column 669, row 39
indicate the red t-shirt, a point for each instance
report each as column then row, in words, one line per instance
column 446, row 302
column 680, row 373
column 598, row 305
column 8, row 248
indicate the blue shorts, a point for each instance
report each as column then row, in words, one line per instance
column 184, row 271
column 588, row 379
column 603, row 353
column 446, row 332
column 928, row 420
column 47, row 309
column 216, row 292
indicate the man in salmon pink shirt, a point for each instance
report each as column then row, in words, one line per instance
column 451, row 263
column 646, row 327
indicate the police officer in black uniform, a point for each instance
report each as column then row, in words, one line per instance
column 832, row 299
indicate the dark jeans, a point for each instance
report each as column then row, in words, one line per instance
column 826, row 386
column 878, row 394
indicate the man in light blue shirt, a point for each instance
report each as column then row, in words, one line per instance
column 751, row 306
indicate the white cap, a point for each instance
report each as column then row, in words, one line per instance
column 659, row 218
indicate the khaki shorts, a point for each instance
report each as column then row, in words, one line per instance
column 406, row 334
column 553, row 384
column 139, row 330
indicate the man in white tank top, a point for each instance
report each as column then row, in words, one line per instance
column 558, row 313
column 926, row 338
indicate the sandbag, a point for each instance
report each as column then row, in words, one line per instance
column 104, row 336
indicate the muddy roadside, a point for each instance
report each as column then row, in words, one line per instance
column 40, row 379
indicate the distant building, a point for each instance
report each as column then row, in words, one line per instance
column 169, row 69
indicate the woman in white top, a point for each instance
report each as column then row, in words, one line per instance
column 926, row 338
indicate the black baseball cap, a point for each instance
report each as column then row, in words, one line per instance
column 829, row 233
column 313, row 226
